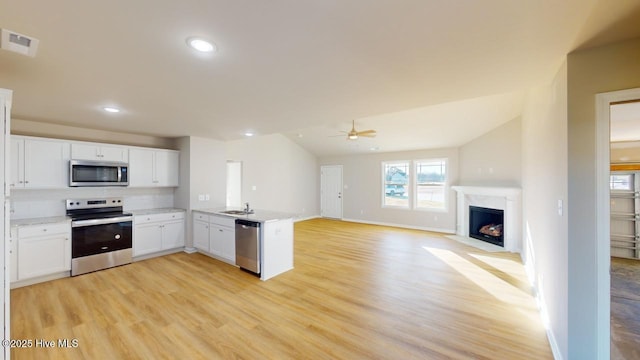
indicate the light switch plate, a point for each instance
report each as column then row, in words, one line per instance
column 560, row 207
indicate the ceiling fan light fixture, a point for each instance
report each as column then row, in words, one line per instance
column 353, row 137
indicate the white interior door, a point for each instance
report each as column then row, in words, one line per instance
column 234, row 184
column 331, row 191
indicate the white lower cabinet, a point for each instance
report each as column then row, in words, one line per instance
column 222, row 242
column 201, row 235
column 215, row 235
column 157, row 232
column 43, row 250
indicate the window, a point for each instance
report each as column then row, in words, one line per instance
column 396, row 184
column 431, row 179
column 621, row 182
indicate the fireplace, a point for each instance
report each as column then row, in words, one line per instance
column 486, row 224
column 506, row 199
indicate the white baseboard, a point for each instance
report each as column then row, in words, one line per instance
column 542, row 309
column 445, row 231
column 39, row 279
column 156, row 254
column 190, row 250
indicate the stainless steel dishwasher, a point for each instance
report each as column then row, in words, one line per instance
column 248, row 245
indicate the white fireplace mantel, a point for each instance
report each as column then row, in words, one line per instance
column 507, row 199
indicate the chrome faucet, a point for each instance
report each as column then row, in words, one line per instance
column 247, row 210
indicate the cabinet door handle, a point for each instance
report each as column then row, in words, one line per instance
column 26, row 182
column 220, row 230
column 44, row 229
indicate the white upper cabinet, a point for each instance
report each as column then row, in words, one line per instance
column 99, row 152
column 140, row 168
column 167, row 169
column 153, row 167
column 39, row 163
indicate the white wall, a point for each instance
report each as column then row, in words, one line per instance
column 493, row 159
column 203, row 171
column 285, row 175
column 544, row 182
column 362, row 198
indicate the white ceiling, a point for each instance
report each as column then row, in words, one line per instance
column 423, row 73
column 625, row 120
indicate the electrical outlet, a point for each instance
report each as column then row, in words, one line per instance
column 200, row 197
column 207, row 197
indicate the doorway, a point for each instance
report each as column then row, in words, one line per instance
column 605, row 208
column 625, row 229
column 331, row 191
column 234, row 183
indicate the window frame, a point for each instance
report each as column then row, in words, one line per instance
column 446, row 185
column 383, row 186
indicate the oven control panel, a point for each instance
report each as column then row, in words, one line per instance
column 74, row 204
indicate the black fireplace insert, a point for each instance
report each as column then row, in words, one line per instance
column 487, row 225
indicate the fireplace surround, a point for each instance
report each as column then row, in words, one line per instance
column 505, row 199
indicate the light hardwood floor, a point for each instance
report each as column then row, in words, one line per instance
column 357, row 292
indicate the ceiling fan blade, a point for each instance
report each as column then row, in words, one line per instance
column 367, row 133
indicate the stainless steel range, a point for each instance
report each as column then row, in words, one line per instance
column 101, row 234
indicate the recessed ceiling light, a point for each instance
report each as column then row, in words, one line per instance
column 248, row 134
column 201, row 44
column 111, row 109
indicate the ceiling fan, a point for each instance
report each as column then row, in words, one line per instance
column 354, row 134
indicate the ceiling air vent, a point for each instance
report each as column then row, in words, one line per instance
column 19, row 43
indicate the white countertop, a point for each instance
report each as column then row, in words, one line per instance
column 155, row 211
column 258, row 215
column 40, row 221
column 56, row 219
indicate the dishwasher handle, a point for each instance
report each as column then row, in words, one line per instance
column 247, row 223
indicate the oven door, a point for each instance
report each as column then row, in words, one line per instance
column 97, row 236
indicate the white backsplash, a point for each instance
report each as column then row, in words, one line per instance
column 27, row 204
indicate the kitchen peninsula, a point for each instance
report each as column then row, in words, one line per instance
column 214, row 234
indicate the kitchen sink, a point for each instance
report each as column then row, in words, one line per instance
column 236, row 212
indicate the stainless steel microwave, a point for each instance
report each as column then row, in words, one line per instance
column 98, row 173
